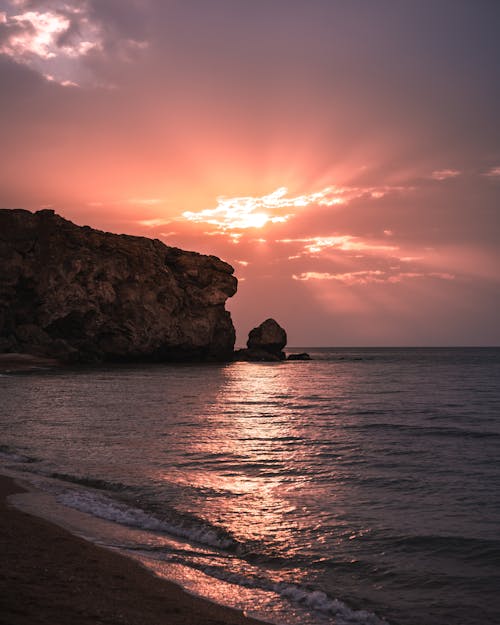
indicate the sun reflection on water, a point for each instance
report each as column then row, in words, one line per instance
column 245, row 460
column 260, row 456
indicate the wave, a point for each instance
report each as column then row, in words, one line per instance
column 311, row 599
column 161, row 518
column 112, row 510
column 104, row 507
column 320, row 602
column 91, row 482
column 245, row 575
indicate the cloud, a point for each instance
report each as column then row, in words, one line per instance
column 33, row 34
column 56, row 39
column 369, row 276
column 352, row 277
column 445, row 174
column 153, row 223
column 234, row 213
column 345, row 242
column 49, row 41
column 245, row 211
column 494, row 172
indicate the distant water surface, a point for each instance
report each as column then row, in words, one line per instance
column 361, row 487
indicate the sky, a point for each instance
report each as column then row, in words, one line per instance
column 342, row 155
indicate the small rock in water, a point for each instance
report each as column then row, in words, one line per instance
column 265, row 343
column 301, row 356
column 269, row 336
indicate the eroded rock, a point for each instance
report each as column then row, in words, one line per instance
column 265, row 343
column 269, row 336
column 80, row 294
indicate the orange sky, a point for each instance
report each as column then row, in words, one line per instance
column 344, row 157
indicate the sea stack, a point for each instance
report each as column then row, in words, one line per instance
column 265, row 343
column 82, row 295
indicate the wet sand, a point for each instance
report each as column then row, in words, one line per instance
column 50, row 577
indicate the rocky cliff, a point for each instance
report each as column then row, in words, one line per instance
column 83, row 295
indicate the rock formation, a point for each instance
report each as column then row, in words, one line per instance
column 269, row 336
column 265, row 343
column 83, row 295
column 301, row 356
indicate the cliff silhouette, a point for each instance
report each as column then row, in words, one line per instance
column 81, row 295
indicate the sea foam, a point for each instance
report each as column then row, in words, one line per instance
column 111, row 510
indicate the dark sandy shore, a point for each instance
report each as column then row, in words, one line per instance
column 50, row 577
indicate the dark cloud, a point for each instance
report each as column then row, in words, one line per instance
column 9, row 30
column 74, row 44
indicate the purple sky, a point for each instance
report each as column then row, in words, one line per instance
column 344, row 156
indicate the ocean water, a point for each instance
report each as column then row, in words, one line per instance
column 361, row 487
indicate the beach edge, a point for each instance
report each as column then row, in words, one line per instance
column 51, row 576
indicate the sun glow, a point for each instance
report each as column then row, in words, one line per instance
column 242, row 212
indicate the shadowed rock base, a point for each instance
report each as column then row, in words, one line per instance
column 257, row 355
column 301, row 356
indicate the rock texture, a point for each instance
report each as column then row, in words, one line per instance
column 269, row 336
column 265, row 343
column 79, row 294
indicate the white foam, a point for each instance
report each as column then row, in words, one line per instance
column 312, row 600
column 106, row 508
column 321, row 602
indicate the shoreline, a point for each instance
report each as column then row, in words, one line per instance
column 16, row 362
column 49, row 576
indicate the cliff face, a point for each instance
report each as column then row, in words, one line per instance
column 80, row 294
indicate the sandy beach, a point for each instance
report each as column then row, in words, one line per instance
column 48, row 576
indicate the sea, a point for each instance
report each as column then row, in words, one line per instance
column 361, row 487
